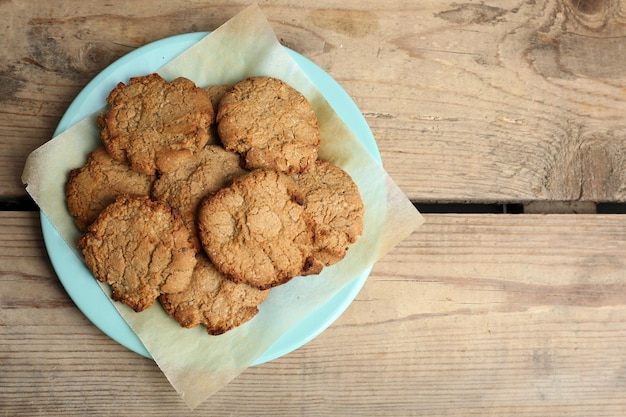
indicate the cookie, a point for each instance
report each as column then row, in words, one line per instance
column 334, row 201
column 141, row 248
column 213, row 300
column 149, row 115
column 98, row 183
column 257, row 231
column 215, row 93
column 270, row 124
column 188, row 178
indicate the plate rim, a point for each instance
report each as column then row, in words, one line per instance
column 336, row 96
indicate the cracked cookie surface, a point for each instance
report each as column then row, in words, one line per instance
column 98, row 183
column 213, row 300
column 188, row 178
column 270, row 124
column 257, row 231
column 149, row 116
column 141, row 248
column 334, row 201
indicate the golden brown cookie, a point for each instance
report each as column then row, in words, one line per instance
column 141, row 248
column 98, row 183
column 270, row 124
column 213, row 300
column 188, row 178
column 334, row 201
column 149, row 115
column 257, row 231
column 215, row 93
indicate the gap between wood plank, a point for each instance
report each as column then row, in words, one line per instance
column 25, row 203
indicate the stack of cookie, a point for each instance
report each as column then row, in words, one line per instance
column 205, row 199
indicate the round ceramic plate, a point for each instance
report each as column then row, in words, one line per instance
column 77, row 279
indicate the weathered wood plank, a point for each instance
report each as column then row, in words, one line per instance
column 518, row 315
column 502, row 101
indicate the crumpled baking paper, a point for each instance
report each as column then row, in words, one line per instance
column 198, row 365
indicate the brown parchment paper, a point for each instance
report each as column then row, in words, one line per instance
column 198, row 365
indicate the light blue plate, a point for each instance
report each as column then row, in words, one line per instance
column 77, row 279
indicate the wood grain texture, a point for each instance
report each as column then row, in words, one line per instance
column 517, row 315
column 507, row 101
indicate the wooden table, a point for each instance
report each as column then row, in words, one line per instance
column 479, row 109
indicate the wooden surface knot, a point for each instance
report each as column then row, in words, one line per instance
column 588, row 167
